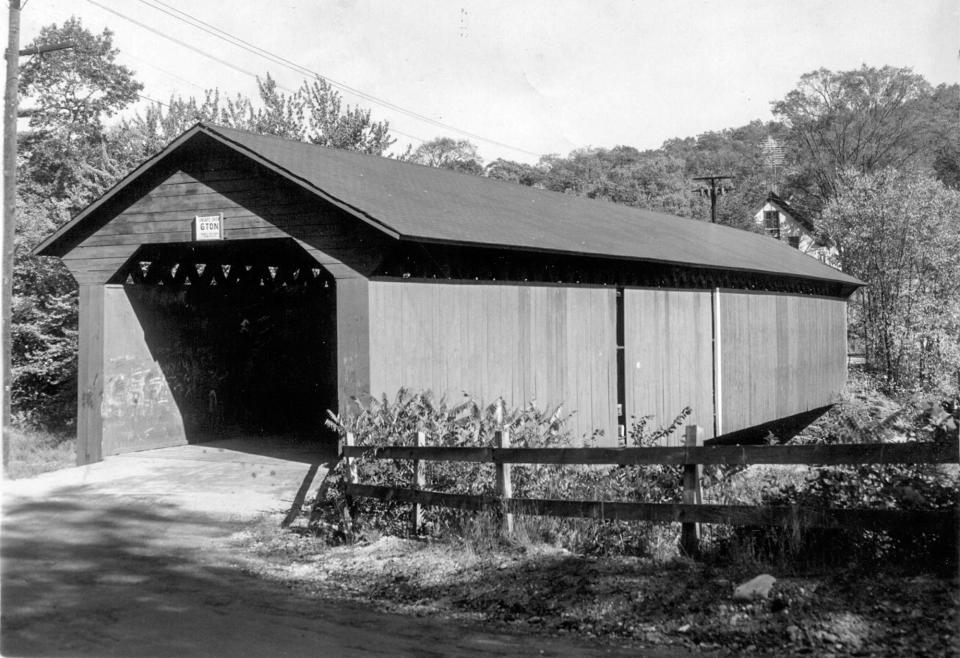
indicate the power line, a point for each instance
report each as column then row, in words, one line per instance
column 153, row 100
column 299, row 68
column 170, row 74
column 214, row 58
column 179, row 42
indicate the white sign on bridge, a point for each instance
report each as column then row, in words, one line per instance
column 208, row 228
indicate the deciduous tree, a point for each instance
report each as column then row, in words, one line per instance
column 448, row 153
column 852, row 121
column 67, row 95
column 900, row 232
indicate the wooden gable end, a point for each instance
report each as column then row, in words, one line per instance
column 255, row 203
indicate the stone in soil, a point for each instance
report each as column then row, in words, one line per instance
column 755, row 588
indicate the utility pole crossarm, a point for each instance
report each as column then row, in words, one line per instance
column 713, row 192
column 39, row 50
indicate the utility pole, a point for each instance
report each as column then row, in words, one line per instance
column 10, row 111
column 714, row 191
column 9, row 208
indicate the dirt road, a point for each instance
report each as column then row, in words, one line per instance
column 130, row 557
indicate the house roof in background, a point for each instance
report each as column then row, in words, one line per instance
column 775, row 199
column 419, row 203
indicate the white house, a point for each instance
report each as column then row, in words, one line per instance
column 781, row 221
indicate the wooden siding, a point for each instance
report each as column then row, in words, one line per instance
column 139, row 408
column 550, row 345
column 90, row 375
column 668, row 357
column 255, row 205
column 353, row 341
column 781, row 355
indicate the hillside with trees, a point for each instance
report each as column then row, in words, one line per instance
column 872, row 155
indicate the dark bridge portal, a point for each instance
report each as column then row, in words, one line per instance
column 241, row 340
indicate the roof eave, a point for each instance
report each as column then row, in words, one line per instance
column 839, row 278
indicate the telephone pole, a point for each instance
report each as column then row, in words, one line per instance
column 10, row 111
column 9, row 207
column 714, row 192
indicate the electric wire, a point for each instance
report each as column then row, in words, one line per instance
column 216, row 59
column 199, row 24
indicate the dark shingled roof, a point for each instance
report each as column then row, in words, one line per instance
column 415, row 202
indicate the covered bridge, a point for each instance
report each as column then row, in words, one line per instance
column 250, row 282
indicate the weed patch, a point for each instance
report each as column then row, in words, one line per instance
column 33, row 452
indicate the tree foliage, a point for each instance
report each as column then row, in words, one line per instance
column 900, row 232
column 68, row 95
column 861, row 120
column 65, row 160
column 315, row 113
column 448, row 153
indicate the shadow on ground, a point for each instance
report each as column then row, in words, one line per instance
column 88, row 573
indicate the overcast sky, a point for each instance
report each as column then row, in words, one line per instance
column 533, row 76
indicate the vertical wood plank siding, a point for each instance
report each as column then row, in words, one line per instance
column 90, row 375
column 550, row 345
column 781, row 355
column 669, row 357
column 139, row 408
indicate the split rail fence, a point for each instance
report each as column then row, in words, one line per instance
column 690, row 513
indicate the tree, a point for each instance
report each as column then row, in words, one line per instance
column 851, row 121
column 448, row 153
column 315, row 113
column 68, row 94
column 328, row 124
column 66, row 159
column 43, row 323
column 515, row 172
column 942, row 110
column 900, row 233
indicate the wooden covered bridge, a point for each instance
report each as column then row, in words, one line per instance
column 243, row 281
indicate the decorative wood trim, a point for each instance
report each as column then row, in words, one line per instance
column 449, row 263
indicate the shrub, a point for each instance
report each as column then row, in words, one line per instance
column 873, row 486
column 472, row 424
column 865, row 417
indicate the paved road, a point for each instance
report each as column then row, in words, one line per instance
column 129, row 557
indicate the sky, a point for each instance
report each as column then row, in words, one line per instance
column 524, row 78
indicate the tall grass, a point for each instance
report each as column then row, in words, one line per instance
column 33, row 452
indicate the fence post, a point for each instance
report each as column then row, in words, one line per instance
column 419, row 482
column 690, row 532
column 504, row 487
column 351, row 473
column 351, row 464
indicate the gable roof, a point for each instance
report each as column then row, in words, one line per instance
column 419, row 203
column 803, row 220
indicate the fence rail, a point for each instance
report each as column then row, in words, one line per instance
column 786, row 515
column 830, row 455
column 690, row 513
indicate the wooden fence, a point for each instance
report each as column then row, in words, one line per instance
column 690, row 513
